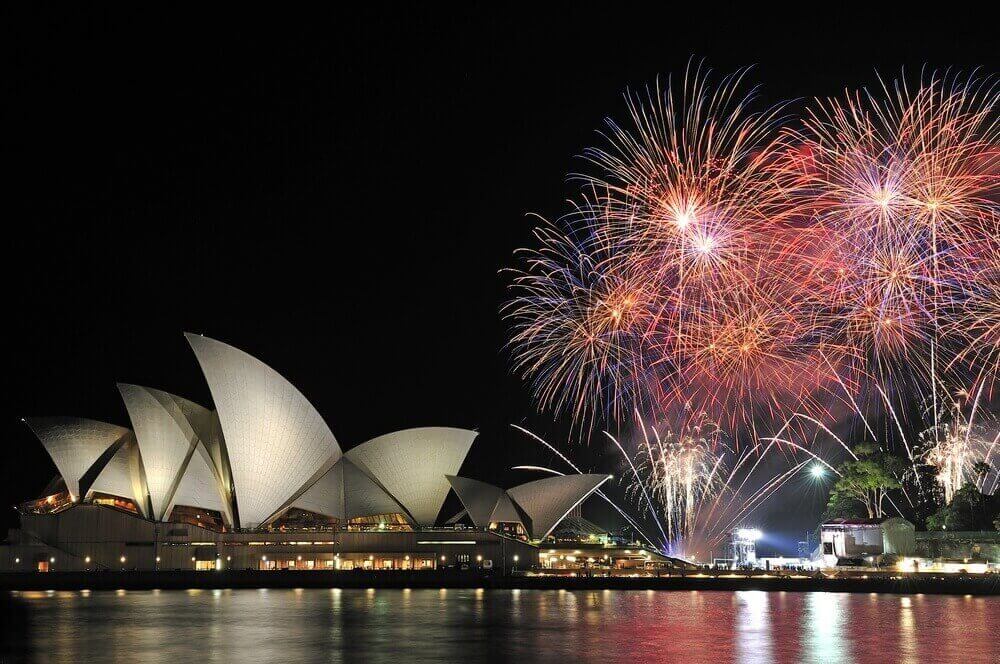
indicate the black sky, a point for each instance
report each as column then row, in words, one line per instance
column 335, row 193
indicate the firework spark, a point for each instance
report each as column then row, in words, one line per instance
column 704, row 487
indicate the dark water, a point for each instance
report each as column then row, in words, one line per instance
column 403, row 626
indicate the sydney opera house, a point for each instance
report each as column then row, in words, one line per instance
column 260, row 482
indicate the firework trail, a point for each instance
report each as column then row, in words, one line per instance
column 679, row 471
column 705, row 487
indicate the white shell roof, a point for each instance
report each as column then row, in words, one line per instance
column 411, row 466
column 547, row 501
column 276, row 441
column 167, row 428
column 363, row 497
column 478, row 498
column 326, row 495
column 201, row 486
column 75, row 445
column 345, row 492
column 506, row 511
column 216, row 446
column 122, row 476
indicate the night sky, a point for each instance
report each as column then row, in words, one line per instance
column 337, row 194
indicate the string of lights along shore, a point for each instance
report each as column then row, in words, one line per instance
column 735, row 281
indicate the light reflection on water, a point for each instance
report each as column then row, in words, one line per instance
column 522, row 626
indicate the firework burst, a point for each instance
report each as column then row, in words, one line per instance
column 902, row 182
column 962, row 448
column 689, row 179
column 977, row 323
column 678, row 278
column 579, row 324
column 678, row 471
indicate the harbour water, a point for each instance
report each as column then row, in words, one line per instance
column 523, row 626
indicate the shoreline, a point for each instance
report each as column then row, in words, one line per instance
column 252, row 579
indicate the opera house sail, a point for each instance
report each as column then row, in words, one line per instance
column 276, row 440
column 241, row 483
